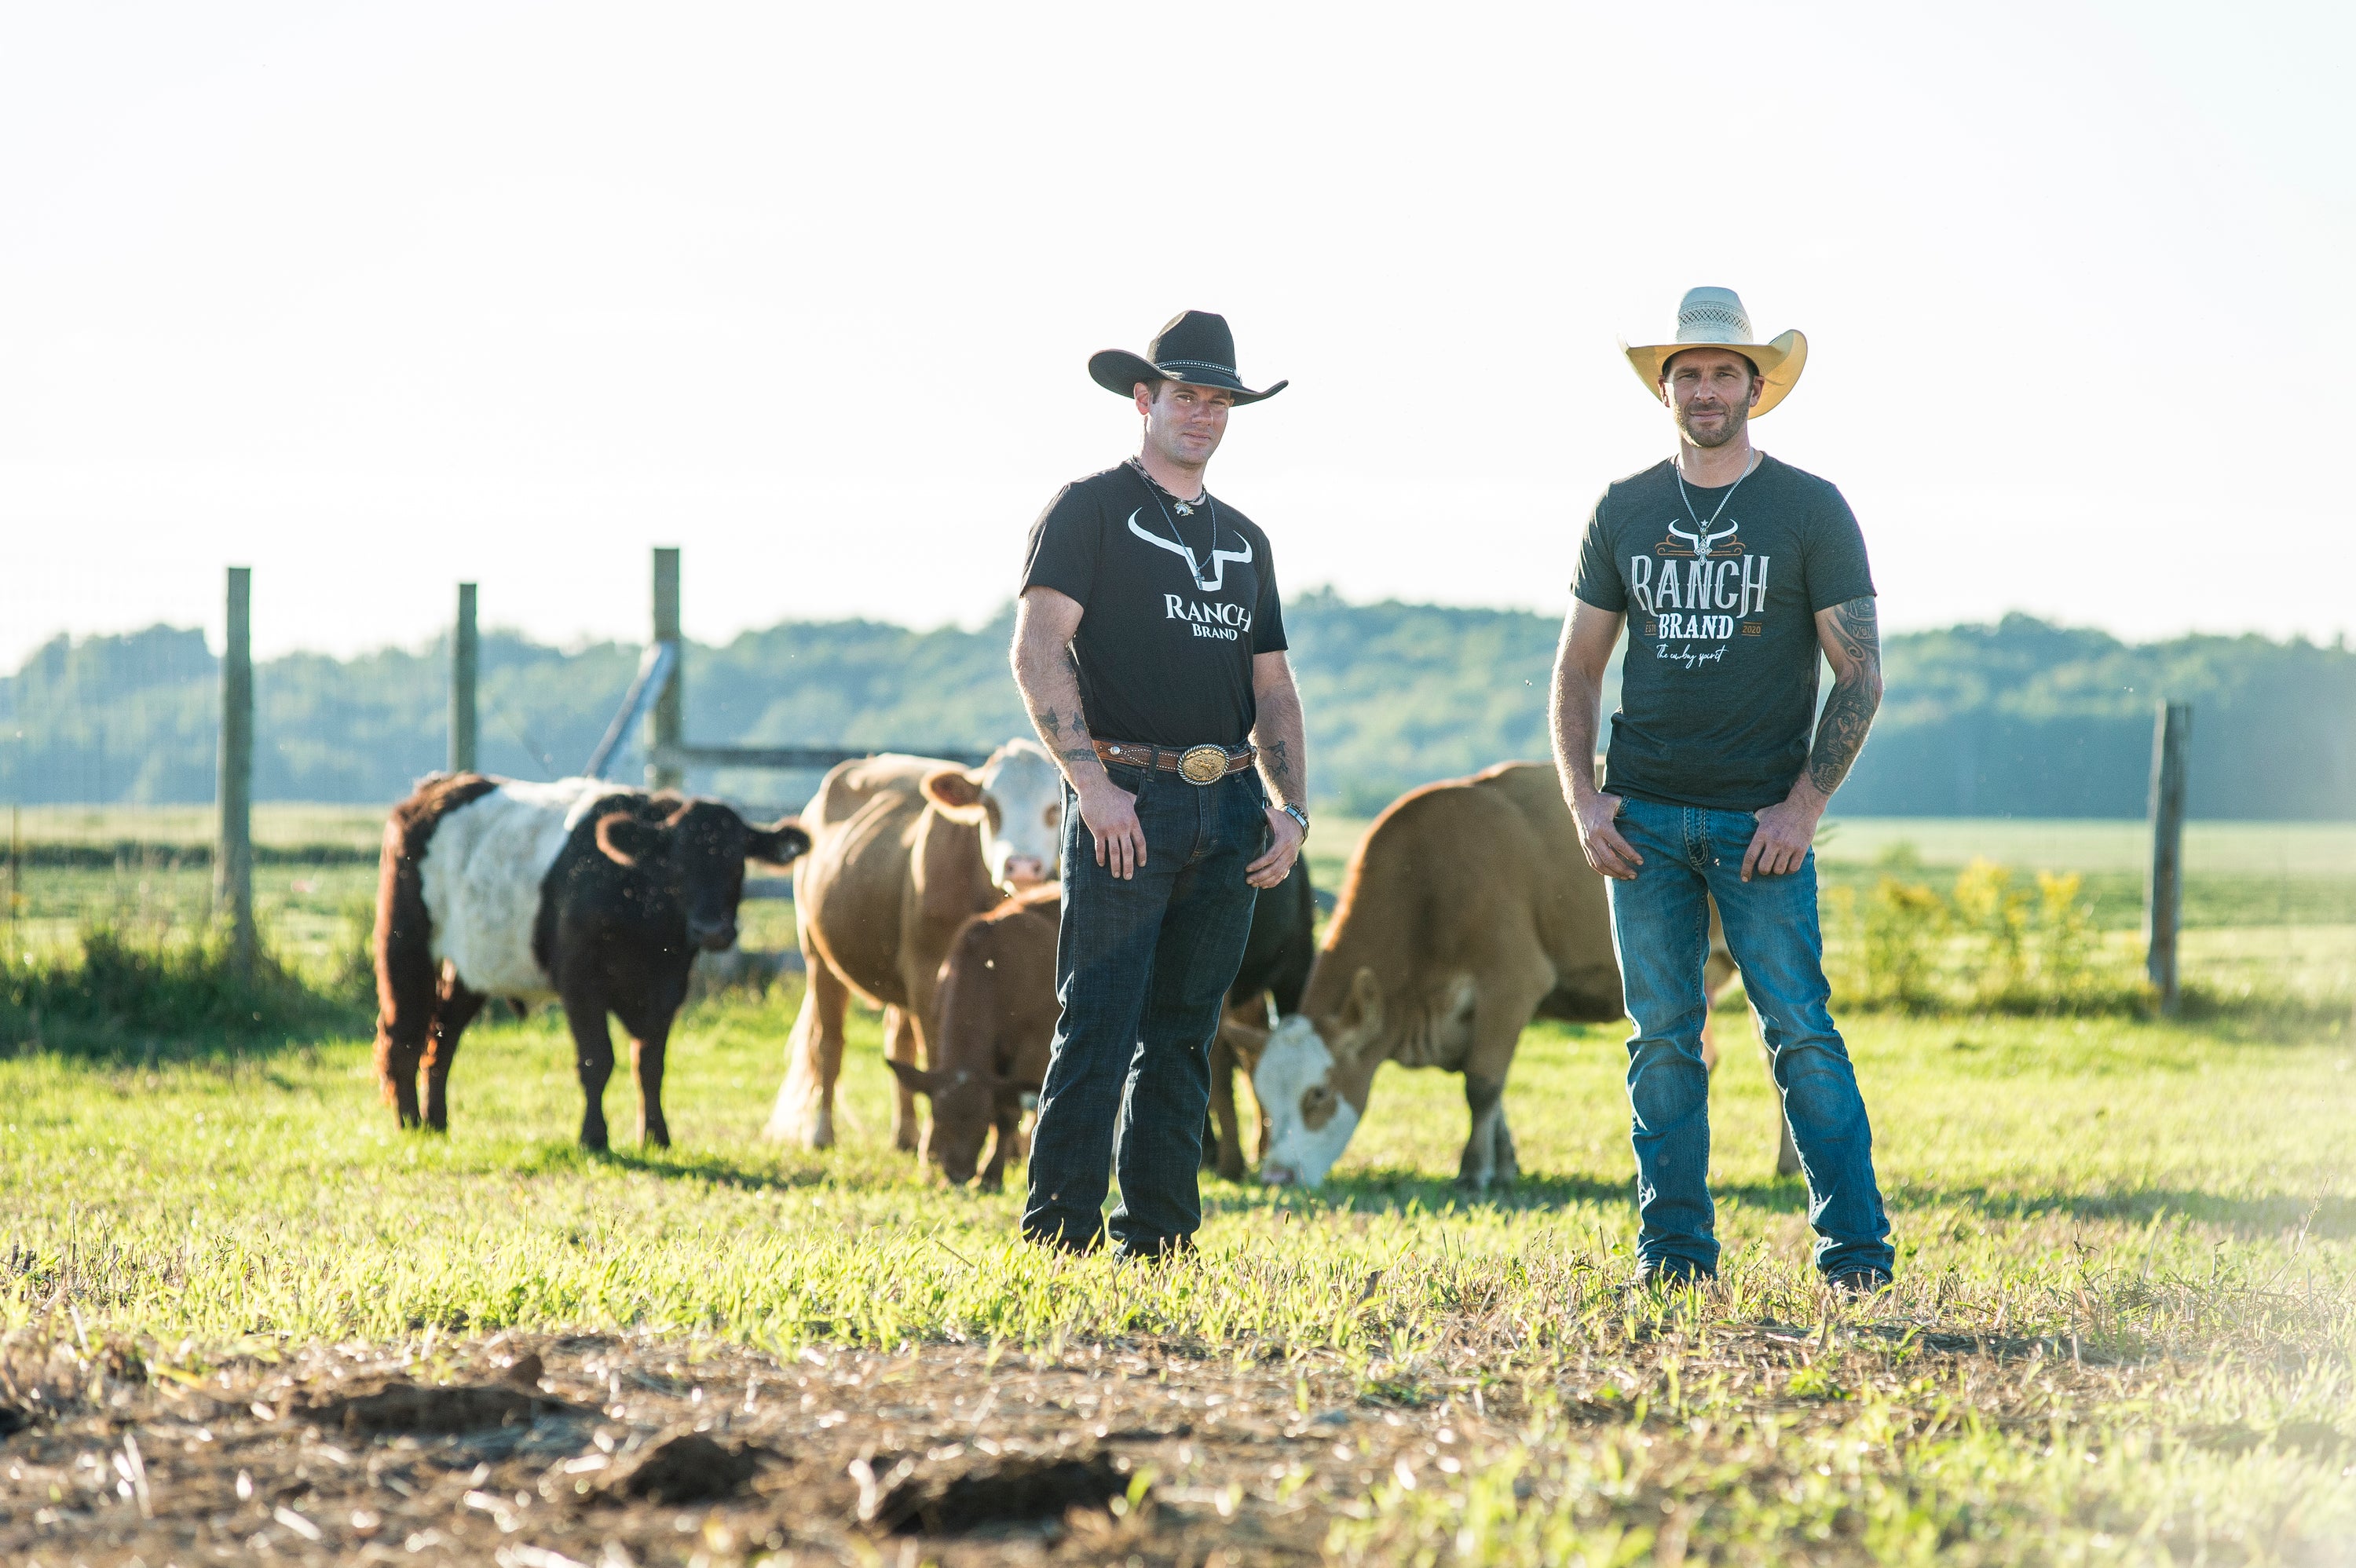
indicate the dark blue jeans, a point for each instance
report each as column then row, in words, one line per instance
column 1141, row 968
column 1661, row 923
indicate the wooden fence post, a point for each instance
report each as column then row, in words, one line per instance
column 463, row 653
column 15, row 880
column 666, row 726
column 233, row 852
column 2163, row 906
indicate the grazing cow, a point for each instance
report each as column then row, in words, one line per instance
column 1468, row 909
column 995, row 1023
column 905, row 849
column 1278, row 956
column 997, row 1017
column 576, row 891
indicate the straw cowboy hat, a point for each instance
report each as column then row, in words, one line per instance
column 1714, row 318
column 1193, row 346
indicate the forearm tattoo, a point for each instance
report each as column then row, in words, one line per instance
column 1857, row 692
column 1275, row 757
column 1283, row 760
column 1051, row 690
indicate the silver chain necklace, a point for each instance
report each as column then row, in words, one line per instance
column 1701, row 527
column 1163, row 499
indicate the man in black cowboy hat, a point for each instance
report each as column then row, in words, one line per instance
column 1149, row 644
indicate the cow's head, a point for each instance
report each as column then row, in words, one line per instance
column 697, row 854
column 1312, row 1081
column 1016, row 798
column 965, row 1105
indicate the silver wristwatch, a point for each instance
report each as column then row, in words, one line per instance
column 1299, row 815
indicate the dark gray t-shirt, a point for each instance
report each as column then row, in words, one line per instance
column 1718, row 690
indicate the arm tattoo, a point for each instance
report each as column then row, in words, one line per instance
column 1283, row 749
column 1861, row 637
column 1277, row 756
column 1051, row 690
column 1856, row 693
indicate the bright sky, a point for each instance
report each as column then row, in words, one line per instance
column 376, row 298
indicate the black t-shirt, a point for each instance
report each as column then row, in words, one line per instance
column 1718, row 690
column 1175, row 604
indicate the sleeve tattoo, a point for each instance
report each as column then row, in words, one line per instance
column 1848, row 712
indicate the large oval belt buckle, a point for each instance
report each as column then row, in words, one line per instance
column 1204, row 765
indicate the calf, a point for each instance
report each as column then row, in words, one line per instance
column 997, row 1020
column 996, row 1008
column 576, row 891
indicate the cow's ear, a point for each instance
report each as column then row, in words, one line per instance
column 1244, row 1040
column 779, row 846
column 1362, row 1011
column 627, row 841
column 918, row 1080
column 958, row 794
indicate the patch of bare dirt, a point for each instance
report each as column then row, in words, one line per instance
column 615, row 1451
column 607, row 1451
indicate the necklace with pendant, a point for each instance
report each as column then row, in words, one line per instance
column 1164, row 500
column 1701, row 527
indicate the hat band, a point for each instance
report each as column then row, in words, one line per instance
column 1194, row 364
column 1712, row 329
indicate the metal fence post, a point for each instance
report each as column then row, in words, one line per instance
column 666, row 726
column 463, row 656
column 2163, row 907
column 233, row 853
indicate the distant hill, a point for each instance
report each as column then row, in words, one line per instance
column 2016, row 719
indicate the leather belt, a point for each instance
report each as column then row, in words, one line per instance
column 1196, row 764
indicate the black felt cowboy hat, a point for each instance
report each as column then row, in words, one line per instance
column 1193, row 346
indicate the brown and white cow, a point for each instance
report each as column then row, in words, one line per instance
column 1467, row 910
column 1278, row 956
column 576, row 892
column 905, row 849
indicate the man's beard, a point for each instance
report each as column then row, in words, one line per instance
column 1738, row 415
column 1175, row 451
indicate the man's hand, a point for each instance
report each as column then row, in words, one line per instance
column 1588, row 636
column 1598, row 836
column 1283, row 846
column 1111, row 814
column 1785, row 831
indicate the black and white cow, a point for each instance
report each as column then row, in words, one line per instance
column 578, row 892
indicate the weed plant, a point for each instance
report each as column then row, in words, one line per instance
column 1989, row 944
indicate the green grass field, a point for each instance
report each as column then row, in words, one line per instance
column 2125, row 1328
column 284, row 824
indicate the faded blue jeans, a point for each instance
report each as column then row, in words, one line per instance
column 1661, row 924
column 1143, row 968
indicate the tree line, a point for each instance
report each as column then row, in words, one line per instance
column 2019, row 718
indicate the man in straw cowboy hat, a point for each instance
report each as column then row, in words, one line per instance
column 1732, row 571
column 1149, row 642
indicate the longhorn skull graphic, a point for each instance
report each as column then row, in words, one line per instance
column 1208, row 582
column 1699, row 541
